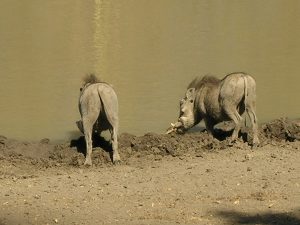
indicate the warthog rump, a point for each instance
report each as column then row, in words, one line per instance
column 98, row 106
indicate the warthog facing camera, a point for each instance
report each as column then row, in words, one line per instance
column 215, row 101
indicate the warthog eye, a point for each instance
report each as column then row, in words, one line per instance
column 191, row 101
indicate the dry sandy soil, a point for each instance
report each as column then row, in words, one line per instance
column 163, row 179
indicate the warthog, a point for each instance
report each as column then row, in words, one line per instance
column 98, row 107
column 215, row 101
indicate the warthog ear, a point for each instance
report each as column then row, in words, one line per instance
column 190, row 93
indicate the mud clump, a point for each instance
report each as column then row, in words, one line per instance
column 175, row 144
column 282, row 129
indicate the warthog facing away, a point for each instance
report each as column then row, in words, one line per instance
column 98, row 107
column 215, row 101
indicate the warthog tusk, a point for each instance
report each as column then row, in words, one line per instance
column 173, row 127
column 177, row 124
column 170, row 130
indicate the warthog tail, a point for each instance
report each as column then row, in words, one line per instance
column 246, row 95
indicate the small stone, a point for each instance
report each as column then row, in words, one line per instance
column 129, row 150
column 37, row 196
column 45, row 141
column 236, row 202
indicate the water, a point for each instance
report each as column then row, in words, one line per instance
column 149, row 51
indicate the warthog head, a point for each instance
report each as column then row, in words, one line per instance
column 186, row 118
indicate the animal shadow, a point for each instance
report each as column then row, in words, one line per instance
column 220, row 133
column 260, row 218
column 98, row 141
column 223, row 135
column 223, row 130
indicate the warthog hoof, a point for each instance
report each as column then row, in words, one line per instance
column 255, row 145
column 88, row 162
column 117, row 162
column 231, row 142
column 255, row 142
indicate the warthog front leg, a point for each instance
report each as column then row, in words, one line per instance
column 209, row 126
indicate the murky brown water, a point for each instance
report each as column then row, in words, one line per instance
column 149, row 51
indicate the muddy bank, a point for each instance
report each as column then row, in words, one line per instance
column 163, row 179
column 44, row 154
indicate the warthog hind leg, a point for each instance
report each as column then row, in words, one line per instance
column 114, row 142
column 233, row 114
column 88, row 123
column 251, row 113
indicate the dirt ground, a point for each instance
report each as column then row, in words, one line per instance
column 163, row 179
